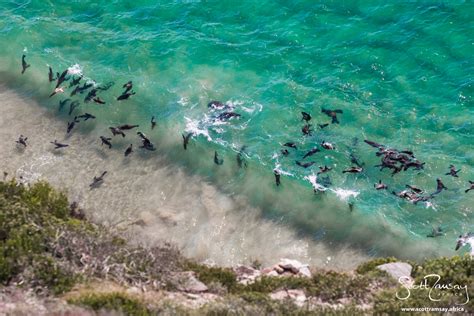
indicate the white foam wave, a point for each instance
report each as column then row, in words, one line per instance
column 281, row 171
column 192, row 126
column 75, row 69
column 313, row 179
column 344, row 194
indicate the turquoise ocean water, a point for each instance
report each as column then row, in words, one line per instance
column 401, row 73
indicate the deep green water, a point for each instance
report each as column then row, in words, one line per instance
column 402, row 74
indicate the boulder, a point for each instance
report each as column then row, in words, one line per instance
column 297, row 296
column 246, row 275
column 187, row 282
column 400, row 271
column 304, row 271
column 295, row 267
column 272, row 273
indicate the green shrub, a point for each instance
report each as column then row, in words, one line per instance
column 49, row 274
column 42, row 195
column 224, row 276
column 271, row 284
column 112, row 302
column 372, row 264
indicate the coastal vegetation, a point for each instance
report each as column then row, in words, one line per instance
column 49, row 247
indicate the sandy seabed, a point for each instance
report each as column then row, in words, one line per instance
column 152, row 200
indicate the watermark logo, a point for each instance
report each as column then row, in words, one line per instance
column 433, row 290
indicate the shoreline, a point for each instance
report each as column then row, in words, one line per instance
column 66, row 264
column 161, row 199
column 314, row 229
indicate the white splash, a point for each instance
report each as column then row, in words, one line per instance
column 255, row 107
column 313, row 179
column 231, row 105
column 192, row 126
column 75, row 70
column 183, row 101
column 345, row 194
column 281, row 171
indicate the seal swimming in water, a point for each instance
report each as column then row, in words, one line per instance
column 106, row 141
column 63, row 103
column 91, row 95
column 58, row 145
column 116, row 131
column 61, row 78
column 355, row 160
column 75, row 91
column 24, row 64
column 305, row 164
column 106, row 86
column 324, row 169
column 75, row 81
column 129, row 150
column 217, row 105
column 306, row 130
column 72, row 106
column 98, row 100
column 471, row 188
column 97, row 181
column 285, row 152
column 321, row 126
column 81, row 89
column 56, row 91
column 311, row 152
column 327, row 145
column 277, row 177
column 186, row 139
column 153, row 122
column 217, row 160
column 373, row 144
column 306, row 116
column 126, row 127
column 22, row 140
column 86, row 116
column 146, row 143
column 241, row 162
column 227, row 116
column 290, row 144
column 439, row 187
column 380, row 186
column 128, row 86
column 125, row 95
column 414, row 189
column 353, row 170
column 332, row 114
column 142, row 136
column 436, row 232
column 325, row 181
column 70, row 125
column 50, row 74
column 351, row 206
column 452, row 171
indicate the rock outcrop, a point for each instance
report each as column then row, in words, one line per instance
column 400, row 271
column 288, row 267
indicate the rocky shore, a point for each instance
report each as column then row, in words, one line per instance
column 54, row 261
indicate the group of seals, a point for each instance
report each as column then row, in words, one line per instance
column 391, row 158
